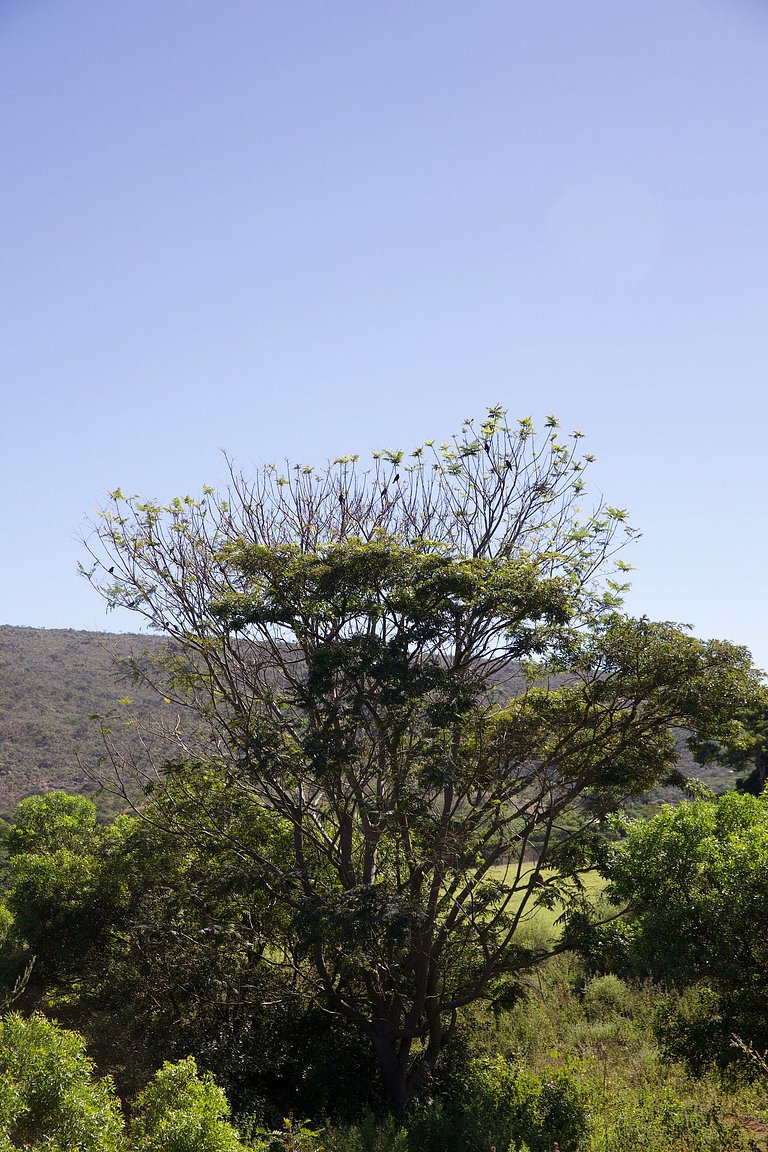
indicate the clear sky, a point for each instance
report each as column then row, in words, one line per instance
column 296, row 228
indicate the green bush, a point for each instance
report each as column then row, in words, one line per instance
column 696, row 881
column 11, row 956
column 180, row 1111
column 691, row 1025
column 373, row 1133
column 499, row 1105
column 49, row 1097
column 662, row 1122
column 605, row 996
column 510, row 1108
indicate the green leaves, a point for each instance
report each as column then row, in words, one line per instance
column 49, row 1095
column 696, row 879
column 383, row 586
column 352, row 637
column 180, row 1111
column 50, row 1098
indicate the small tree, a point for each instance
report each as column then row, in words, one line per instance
column 180, row 1111
column 352, row 638
column 696, row 882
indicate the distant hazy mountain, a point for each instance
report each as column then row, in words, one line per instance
column 52, row 681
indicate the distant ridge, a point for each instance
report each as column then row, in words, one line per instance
column 53, row 680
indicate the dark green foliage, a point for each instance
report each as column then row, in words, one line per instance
column 510, row 1107
column 140, row 930
column 495, row 1105
column 154, row 946
column 61, row 893
column 746, row 750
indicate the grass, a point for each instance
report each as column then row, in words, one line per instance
column 538, row 919
column 598, row 1035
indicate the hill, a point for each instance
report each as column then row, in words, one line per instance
column 54, row 681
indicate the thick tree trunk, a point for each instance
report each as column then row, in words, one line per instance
column 393, row 1065
column 402, row 1078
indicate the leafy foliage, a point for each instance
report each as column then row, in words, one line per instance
column 746, row 749
column 159, row 941
column 49, row 1097
column 696, row 879
column 182, row 1112
column 340, row 632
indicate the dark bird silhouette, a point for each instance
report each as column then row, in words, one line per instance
column 487, row 447
column 507, row 463
column 110, row 571
column 396, row 477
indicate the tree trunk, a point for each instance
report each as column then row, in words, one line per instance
column 402, row 1079
column 393, row 1065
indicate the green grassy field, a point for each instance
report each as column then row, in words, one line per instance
column 539, row 920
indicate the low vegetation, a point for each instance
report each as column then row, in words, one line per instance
column 577, row 1062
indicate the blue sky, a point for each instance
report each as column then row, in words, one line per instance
column 300, row 228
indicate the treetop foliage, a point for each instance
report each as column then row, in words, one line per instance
column 495, row 492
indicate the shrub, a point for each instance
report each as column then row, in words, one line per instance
column 180, row 1111
column 511, row 1108
column 48, row 1094
column 605, row 996
column 662, row 1122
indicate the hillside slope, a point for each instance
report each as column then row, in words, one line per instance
column 53, row 681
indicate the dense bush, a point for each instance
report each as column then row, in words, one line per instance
column 512, row 1107
column 49, row 1096
column 575, row 1061
column 696, row 882
column 182, row 1112
column 150, row 945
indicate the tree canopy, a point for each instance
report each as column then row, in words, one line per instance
column 417, row 681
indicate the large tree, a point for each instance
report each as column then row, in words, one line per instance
column 419, row 671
